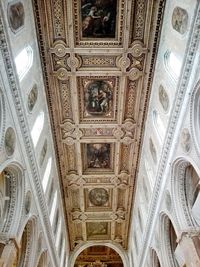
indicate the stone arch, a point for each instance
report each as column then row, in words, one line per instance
column 155, row 260
column 42, row 259
column 168, row 232
column 179, row 194
column 115, row 246
column 195, row 117
column 14, row 183
column 2, row 119
column 27, row 251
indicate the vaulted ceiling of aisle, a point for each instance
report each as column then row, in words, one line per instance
column 98, row 60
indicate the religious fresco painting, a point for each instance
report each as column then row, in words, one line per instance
column 97, row 229
column 180, row 20
column 98, row 156
column 98, row 98
column 98, row 18
column 98, row 196
column 16, row 16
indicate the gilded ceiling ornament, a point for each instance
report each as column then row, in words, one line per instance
column 129, row 125
column 137, row 49
column 119, row 215
column 123, row 62
column 115, row 180
column 78, row 216
column 118, row 133
column 134, row 74
column 73, row 62
column 62, row 74
column 69, row 141
column 59, row 49
column 127, row 140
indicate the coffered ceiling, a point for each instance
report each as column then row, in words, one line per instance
column 98, row 60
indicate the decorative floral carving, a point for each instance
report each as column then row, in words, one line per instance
column 62, row 74
column 59, row 48
column 137, row 49
column 71, row 133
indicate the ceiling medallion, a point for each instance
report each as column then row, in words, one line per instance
column 98, row 196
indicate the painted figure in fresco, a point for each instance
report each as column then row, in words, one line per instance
column 98, row 155
column 98, row 98
column 98, row 18
column 16, row 15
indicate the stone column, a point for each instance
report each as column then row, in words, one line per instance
column 189, row 242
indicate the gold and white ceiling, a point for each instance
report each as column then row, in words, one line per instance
column 98, row 60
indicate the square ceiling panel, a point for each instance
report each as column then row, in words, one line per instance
column 98, row 98
column 98, row 22
column 98, row 198
column 98, row 230
column 98, row 157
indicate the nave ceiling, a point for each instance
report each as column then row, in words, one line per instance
column 98, row 61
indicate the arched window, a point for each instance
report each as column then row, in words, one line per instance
column 192, row 193
column 47, row 174
column 173, row 64
column 154, row 259
column 4, row 197
column 171, row 248
column 11, row 185
column 24, row 61
column 53, row 208
column 37, row 128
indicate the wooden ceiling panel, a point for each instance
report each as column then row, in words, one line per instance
column 98, row 60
